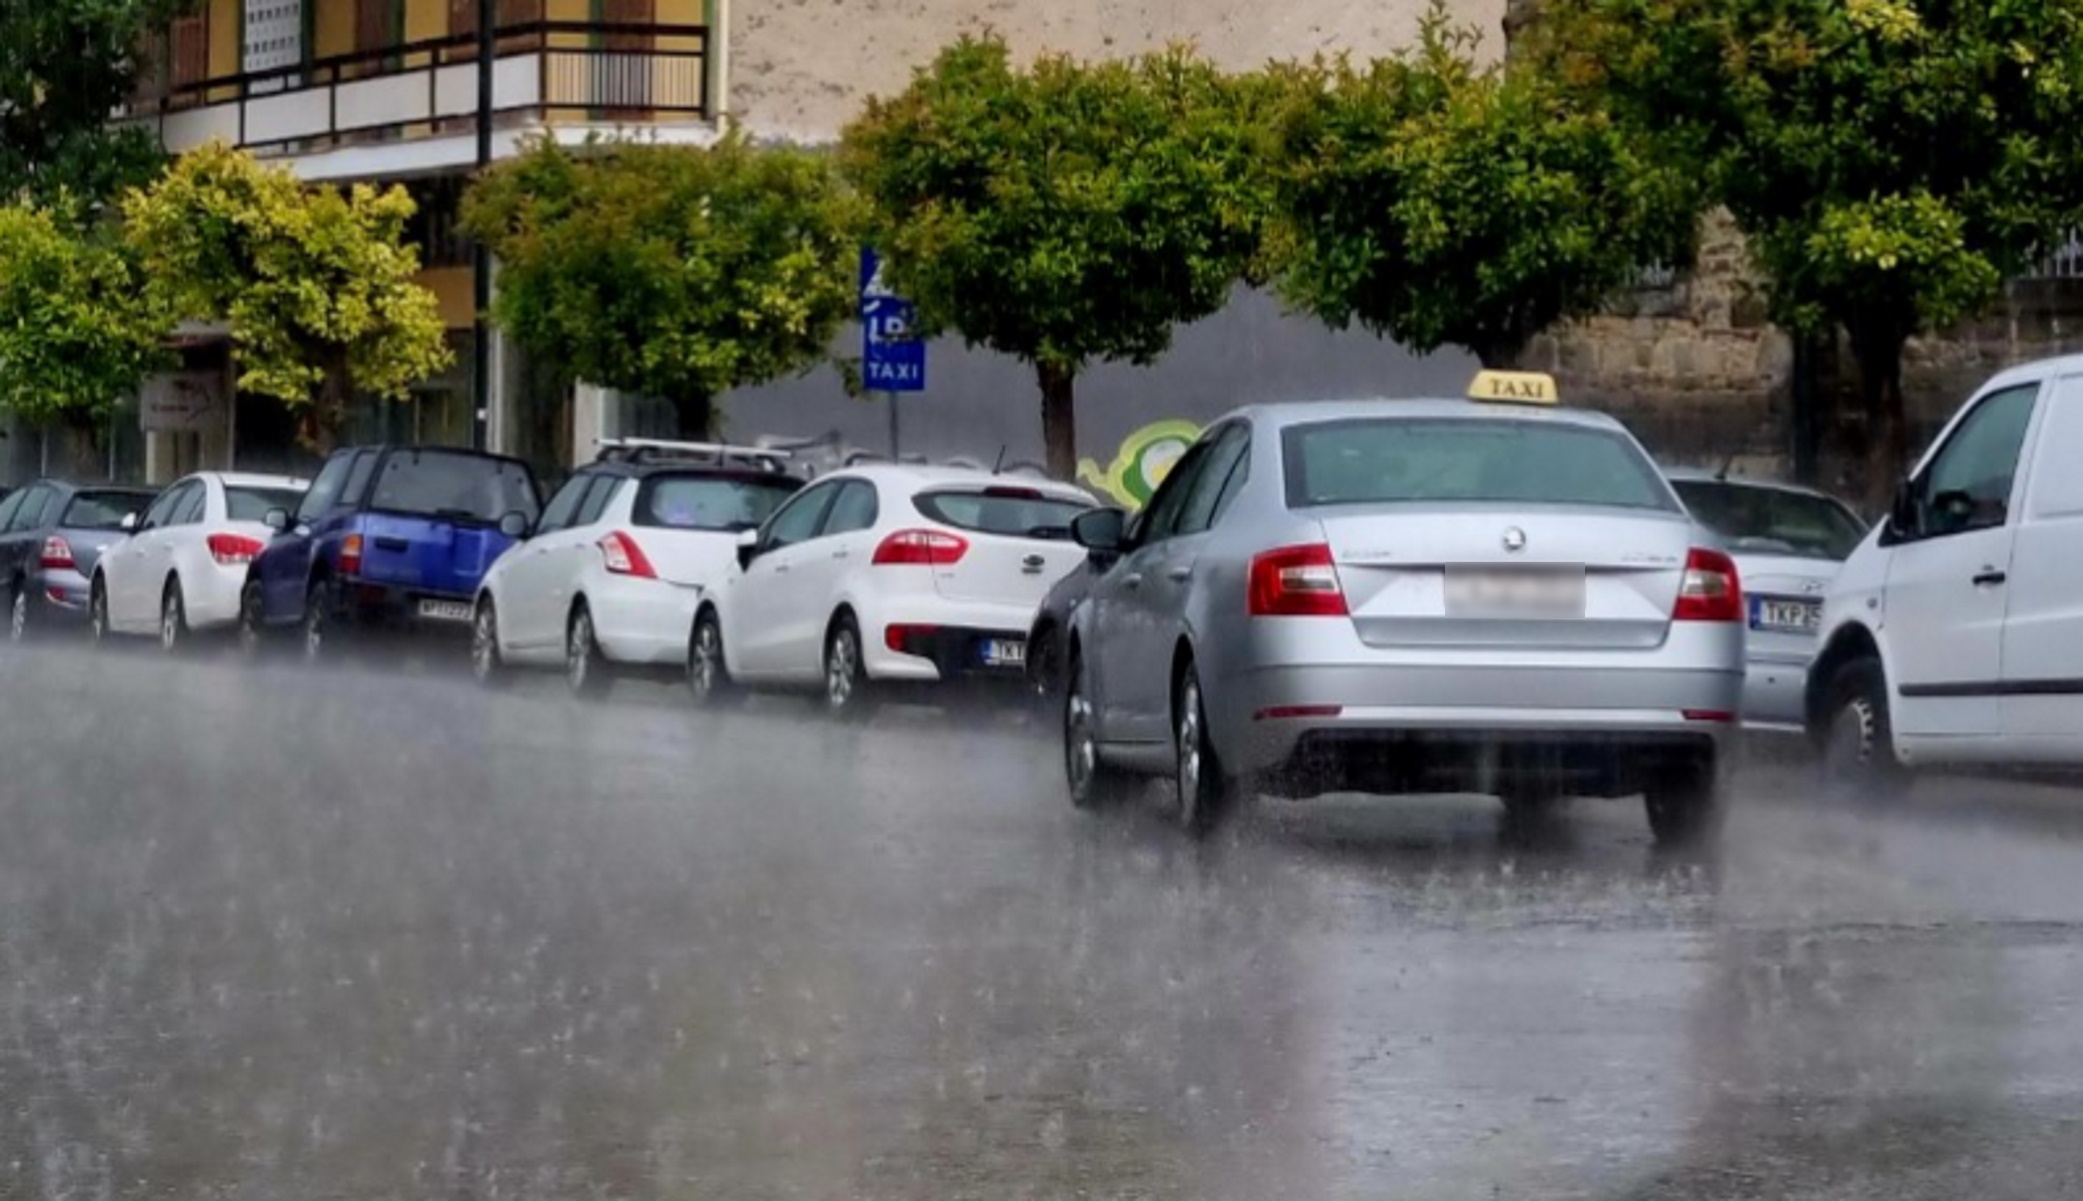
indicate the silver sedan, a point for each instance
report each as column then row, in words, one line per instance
column 1410, row 596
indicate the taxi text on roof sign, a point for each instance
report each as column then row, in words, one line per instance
column 1516, row 387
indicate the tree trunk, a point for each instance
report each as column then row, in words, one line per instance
column 696, row 417
column 1059, row 418
column 318, row 427
column 1878, row 347
column 1500, row 352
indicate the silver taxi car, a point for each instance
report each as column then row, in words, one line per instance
column 1491, row 595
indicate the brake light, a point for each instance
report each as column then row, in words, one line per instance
column 1710, row 590
column 920, row 548
column 1296, row 581
column 625, row 557
column 233, row 549
column 1002, row 492
column 57, row 552
column 351, row 555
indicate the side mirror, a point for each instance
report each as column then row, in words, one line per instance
column 1100, row 531
column 129, row 523
column 748, row 548
column 515, row 524
column 276, row 519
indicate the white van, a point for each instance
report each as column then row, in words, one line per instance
column 1954, row 634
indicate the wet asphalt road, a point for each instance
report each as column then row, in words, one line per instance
column 374, row 935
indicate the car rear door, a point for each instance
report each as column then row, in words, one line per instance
column 762, row 612
column 1129, row 658
column 526, row 584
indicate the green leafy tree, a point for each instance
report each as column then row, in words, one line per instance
column 1066, row 213
column 1892, row 162
column 669, row 271
column 1441, row 202
column 64, row 66
column 77, row 332
column 317, row 285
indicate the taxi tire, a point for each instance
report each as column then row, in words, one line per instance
column 1684, row 805
column 1857, row 756
column 1208, row 794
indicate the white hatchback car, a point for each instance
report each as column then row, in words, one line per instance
column 180, row 570
column 609, row 578
column 888, row 574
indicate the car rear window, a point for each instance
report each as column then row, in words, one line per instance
column 1011, row 511
column 454, row 485
column 252, row 504
column 710, row 502
column 1450, row 460
column 102, row 510
column 1773, row 520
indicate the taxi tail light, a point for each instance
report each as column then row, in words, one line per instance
column 1709, row 590
column 1296, row 581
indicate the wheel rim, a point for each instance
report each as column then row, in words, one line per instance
column 840, row 665
column 18, row 617
column 170, row 622
column 1189, row 746
column 484, row 644
column 97, row 614
column 1852, row 741
column 578, row 651
column 314, row 629
column 701, row 674
column 249, row 622
column 1080, row 748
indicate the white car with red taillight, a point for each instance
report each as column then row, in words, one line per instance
column 609, row 578
column 885, row 575
column 180, row 570
column 1409, row 596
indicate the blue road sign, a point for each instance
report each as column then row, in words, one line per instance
column 892, row 359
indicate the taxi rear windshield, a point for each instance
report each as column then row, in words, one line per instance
column 1370, row 461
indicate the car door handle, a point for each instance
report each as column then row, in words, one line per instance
column 1179, row 575
column 780, row 569
column 1133, row 579
column 842, row 554
column 1989, row 577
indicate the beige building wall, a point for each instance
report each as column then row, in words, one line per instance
column 800, row 68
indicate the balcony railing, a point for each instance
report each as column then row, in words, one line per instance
column 541, row 71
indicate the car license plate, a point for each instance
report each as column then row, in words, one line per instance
column 1005, row 652
column 443, row 610
column 1532, row 592
column 1789, row 616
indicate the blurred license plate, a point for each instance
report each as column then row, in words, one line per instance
column 1515, row 592
column 1795, row 616
column 435, row 610
column 1005, row 652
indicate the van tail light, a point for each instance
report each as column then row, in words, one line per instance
column 625, row 557
column 57, row 553
column 1296, row 581
column 351, row 555
column 232, row 550
column 1710, row 590
column 920, row 548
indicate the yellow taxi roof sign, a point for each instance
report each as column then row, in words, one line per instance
column 1514, row 387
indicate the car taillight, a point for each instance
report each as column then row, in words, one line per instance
column 902, row 637
column 625, row 557
column 1296, row 581
column 1710, row 590
column 921, row 548
column 233, row 549
column 351, row 555
column 57, row 552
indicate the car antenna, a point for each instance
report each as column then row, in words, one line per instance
column 1722, row 476
column 998, row 467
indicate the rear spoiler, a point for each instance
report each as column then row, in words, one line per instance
column 655, row 450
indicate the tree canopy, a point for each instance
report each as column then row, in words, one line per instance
column 671, row 271
column 1892, row 162
column 317, row 285
column 1441, row 202
column 77, row 331
column 64, row 66
column 1067, row 212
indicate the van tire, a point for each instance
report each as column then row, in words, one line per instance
column 1857, row 756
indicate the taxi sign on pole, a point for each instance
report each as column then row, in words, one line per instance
column 1514, row 387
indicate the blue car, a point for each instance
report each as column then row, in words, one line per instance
column 387, row 537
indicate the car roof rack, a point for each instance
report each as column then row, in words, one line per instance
column 655, row 450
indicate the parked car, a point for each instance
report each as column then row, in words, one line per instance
column 1788, row 543
column 1952, row 636
column 1493, row 595
column 180, row 570
column 386, row 536
column 1050, row 630
column 887, row 575
column 51, row 535
column 610, row 576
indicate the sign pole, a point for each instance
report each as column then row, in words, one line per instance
column 895, row 445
